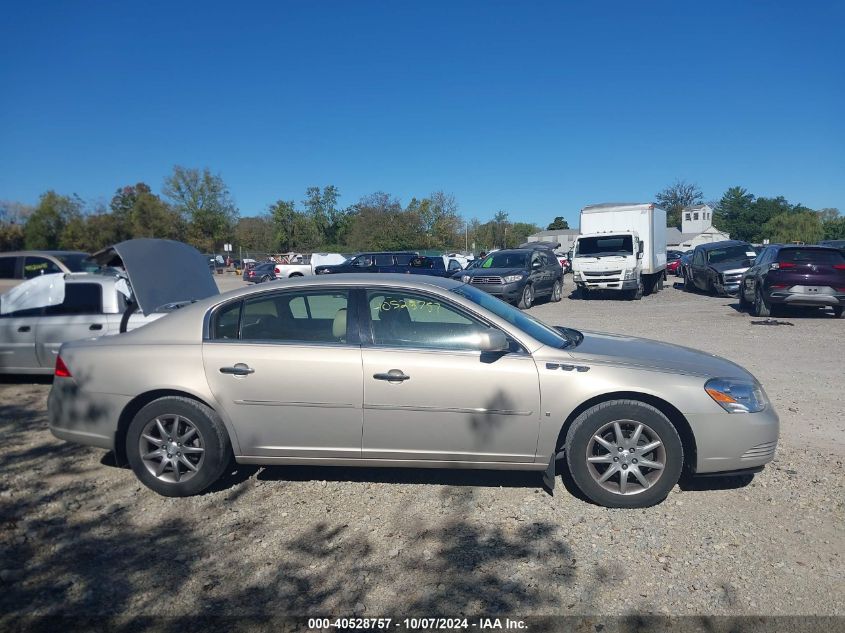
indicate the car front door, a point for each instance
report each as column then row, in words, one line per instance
column 699, row 269
column 286, row 367
column 79, row 316
column 430, row 394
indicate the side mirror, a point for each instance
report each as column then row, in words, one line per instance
column 640, row 249
column 535, row 264
column 493, row 341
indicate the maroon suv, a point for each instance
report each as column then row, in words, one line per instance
column 794, row 275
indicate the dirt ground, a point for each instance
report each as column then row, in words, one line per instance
column 79, row 535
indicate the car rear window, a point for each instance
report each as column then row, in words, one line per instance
column 80, row 298
column 812, row 255
column 7, row 267
column 78, row 262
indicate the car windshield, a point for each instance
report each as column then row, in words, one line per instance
column 811, row 255
column 78, row 262
column 672, row 255
column 506, row 260
column 610, row 245
column 730, row 253
column 531, row 326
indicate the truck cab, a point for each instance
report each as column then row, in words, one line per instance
column 622, row 247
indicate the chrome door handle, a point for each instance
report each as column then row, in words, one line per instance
column 240, row 369
column 24, row 328
column 394, row 375
column 95, row 326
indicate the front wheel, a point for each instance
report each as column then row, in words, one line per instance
column 557, row 291
column 527, row 298
column 837, row 311
column 743, row 302
column 761, row 308
column 177, row 446
column 624, row 454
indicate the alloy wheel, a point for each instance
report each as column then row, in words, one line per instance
column 626, row 457
column 171, row 448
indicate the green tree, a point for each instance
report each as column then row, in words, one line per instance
column 796, row 226
column 44, row 227
column 283, row 215
column 321, row 207
column 676, row 197
column 735, row 214
column 834, row 229
column 380, row 223
column 256, row 234
column 204, row 200
column 558, row 223
column 11, row 236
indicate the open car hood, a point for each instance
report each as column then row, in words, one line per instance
column 160, row 272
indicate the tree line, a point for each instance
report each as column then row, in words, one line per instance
column 196, row 207
column 746, row 217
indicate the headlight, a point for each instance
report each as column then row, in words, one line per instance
column 737, row 396
column 512, row 278
column 465, row 278
column 629, row 274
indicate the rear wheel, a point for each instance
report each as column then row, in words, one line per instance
column 557, row 291
column 265, row 278
column 837, row 311
column 177, row 446
column 527, row 298
column 743, row 302
column 761, row 308
column 624, row 454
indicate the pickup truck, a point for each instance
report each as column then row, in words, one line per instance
column 308, row 265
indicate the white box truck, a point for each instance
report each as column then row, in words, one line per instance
column 621, row 247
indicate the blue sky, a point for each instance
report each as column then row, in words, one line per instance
column 532, row 107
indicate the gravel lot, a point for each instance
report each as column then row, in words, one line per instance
column 81, row 536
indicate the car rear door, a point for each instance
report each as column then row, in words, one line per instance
column 17, row 340
column 286, row 367
column 79, row 316
column 429, row 394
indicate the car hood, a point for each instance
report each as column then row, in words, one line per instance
column 160, row 272
column 497, row 272
column 737, row 264
column 617, row 349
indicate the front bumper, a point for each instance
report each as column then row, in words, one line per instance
column 734, row 441
column 727, row 289
column 509, row 292
column 607, row 283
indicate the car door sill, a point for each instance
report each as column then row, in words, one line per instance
column 391, row 463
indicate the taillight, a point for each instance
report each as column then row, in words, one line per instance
column 778, row 286
column 252, row 273
column 781, row 265
column 61, row 369
column 839, row 266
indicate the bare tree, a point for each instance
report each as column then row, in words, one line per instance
column 676, row 197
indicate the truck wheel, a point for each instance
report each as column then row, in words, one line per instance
column 177, row 446
column 624, row 454
column 295, row 275
column 637, row 294
column 527, row 299
column 761, row 308
column 557, row 291
column 660, row 280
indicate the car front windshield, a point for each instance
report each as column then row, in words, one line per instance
column 605, row 245
column 730, row 253
column 506, row 260
column 78, row 262
column 531, row 326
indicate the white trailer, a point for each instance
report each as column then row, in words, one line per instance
column 621, row 247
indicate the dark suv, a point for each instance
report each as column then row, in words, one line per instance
column 718, row 266
column 519, row 275
column 393, row 262
column 794, row 275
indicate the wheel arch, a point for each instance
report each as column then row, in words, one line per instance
column 135, row 405
column 666, row 408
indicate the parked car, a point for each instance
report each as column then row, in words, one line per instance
column 673, row 262
column 424, row 372
column 370, row 263
column 838, row 244
column 717, row 267
column 519, row 275
column 259, row 273
column 794, row 275
column 18, row 266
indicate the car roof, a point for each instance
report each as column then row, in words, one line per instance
column 53, row 253
column 722, row 244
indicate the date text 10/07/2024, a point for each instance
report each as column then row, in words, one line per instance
column 417, row 624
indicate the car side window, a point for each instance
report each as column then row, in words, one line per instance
column 7, row 267
column 404, row 319
column 301, row 316
column 227, row 321
column 698, row 258
column 363, row 261
column 454, row 265
column 79, row 299
column 384, row 259
column 403, row 259
column 34, row 266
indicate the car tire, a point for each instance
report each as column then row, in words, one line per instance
column 761, row 308
column 201, row 431
column 526, row 300
column 837, row 311
column 687, row 283
column 295, row 275
column 265, row 279
column 589, row 459
column 557, row 291
column 743, row 302
column 637, row 294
